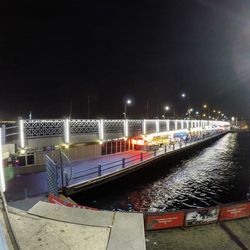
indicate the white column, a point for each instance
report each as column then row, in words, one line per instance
column 66, row 131
column 182, row 124
column 100, row 129
column 126, row 128
column 2, row 181
column 21, row 133
column 144, row 127
column 157, row 126
column 167, row 125
column 187, row 124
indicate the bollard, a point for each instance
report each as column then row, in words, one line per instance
column 123, row 162
column 165, row 149
column 99, row 169
column 141, row 156
column 173, row 146
column 66, row 178
column 154, row 152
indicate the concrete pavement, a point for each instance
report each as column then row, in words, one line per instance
column 236, row 236
column 50, row 226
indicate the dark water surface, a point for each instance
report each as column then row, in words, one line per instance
column 219, row 173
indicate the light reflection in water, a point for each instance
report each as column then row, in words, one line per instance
column 217, row 174
column 199, row 181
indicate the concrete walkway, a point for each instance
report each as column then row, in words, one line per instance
column 229, row 235
column 50, row 226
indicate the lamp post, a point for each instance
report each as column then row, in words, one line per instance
column 127, row 102
column 184, row 96
column 166, row 110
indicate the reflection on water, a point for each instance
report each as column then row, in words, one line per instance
column 217, row 174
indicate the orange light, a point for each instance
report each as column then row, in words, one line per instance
column 140, row 142
column 133, row 141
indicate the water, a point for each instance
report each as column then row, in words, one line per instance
column 216, row 174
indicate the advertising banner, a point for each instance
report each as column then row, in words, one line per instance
column 235, row 211
column 202, row 216
column 166, row 220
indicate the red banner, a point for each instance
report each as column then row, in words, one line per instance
column 56, row 200
column 235, row 211
column 166, row 220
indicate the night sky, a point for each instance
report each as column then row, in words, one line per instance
column 56, row 56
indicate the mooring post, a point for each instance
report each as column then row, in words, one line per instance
column 154, row 152
column 165, row 148
column 141, row 156
column 123, row 162
column 99, row 169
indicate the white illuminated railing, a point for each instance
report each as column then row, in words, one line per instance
column 101, row 130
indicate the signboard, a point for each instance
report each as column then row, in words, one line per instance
column 235, row 211
column 202, row 216
column 166, row 220
column 56, row 200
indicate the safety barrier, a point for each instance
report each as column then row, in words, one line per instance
column 182, row 218
column 199, row 216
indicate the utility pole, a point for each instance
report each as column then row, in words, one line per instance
column 70, row 108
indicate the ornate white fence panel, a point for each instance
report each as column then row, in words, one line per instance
column 57, row 131
column 81, row 127
column 43, row 128
column 113, row 129
column 150, row 126
column 162, row 125
column 135, row 127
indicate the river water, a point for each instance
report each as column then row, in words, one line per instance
column 219, row 173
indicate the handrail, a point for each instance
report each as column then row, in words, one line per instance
column 109, row 163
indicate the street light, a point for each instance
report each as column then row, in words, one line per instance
column 166, row 108
column 184, row 96
column 127, row 102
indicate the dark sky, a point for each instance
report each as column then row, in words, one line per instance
column 60, row 52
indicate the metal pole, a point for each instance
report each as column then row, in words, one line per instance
column 61, row 167
column 125, row 111
column 99, row 169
